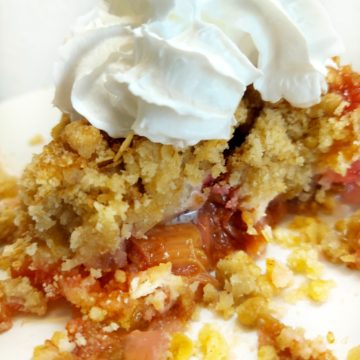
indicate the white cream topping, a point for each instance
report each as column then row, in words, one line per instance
column 174, row 71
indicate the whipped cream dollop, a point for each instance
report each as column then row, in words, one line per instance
column 175, row 71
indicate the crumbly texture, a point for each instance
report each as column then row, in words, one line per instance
column 287, row 147
column 277, row 341
column 309, row 235
column 245, row 291
column 18, row 295
column 73, row 191
column 343, row 243
column 88, row 223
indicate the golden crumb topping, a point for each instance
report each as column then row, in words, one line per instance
column 94, row 221
column 286, row 147
column 73, row 187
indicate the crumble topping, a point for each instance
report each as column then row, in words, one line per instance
column 67, row 189
column 18, row 295
column 287, row 146
column 89, row 222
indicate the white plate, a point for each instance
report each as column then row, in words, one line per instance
column 23, row 117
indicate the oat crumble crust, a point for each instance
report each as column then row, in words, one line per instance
column 287, row 147
column 73, row 191
column 76, row 226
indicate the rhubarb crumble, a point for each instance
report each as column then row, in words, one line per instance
column 135, row 235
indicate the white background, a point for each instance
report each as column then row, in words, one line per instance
column 30, row 34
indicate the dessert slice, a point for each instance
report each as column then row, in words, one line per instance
column 93, row 226
column 156, row 126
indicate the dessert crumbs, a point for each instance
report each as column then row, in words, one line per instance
column 82, row 224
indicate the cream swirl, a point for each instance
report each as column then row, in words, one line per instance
column 174, row 71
